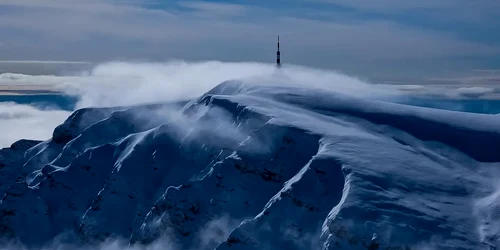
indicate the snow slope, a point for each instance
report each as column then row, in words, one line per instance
column 258, row 167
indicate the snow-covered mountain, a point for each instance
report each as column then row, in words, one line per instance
column 258, row 167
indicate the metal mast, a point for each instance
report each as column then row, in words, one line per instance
column 278, row 61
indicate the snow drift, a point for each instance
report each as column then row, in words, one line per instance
column 256, row 166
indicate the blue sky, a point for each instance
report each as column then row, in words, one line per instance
column 384, row 40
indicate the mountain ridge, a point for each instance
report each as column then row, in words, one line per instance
column 256, row 167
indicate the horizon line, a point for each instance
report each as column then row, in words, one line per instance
column 47, row 62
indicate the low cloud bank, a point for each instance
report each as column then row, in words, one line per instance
column 19, row 121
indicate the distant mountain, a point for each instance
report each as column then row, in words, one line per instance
column 258, row 167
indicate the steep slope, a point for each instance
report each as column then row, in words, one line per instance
column 257, row 167
column 10, row 160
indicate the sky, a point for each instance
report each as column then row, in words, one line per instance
column 410, row 42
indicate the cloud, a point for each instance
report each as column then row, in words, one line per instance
column 209, row 236
column 42, row 62
column 483, row 78
column 128, row 83
column 19, row 121
column 451, row 91
column 216, row 231
column 388, row 5
column 164, row 243
column 476, row 11
column 214, row 9
column 94, row 30
column 474, row 92
column 37, row 67
column 22, row 79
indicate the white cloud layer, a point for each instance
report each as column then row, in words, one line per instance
column 19, row 121
column 23, row 79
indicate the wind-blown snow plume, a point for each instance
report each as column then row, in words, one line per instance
column 487, row 212
column 122, row 83
column 131, row 83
